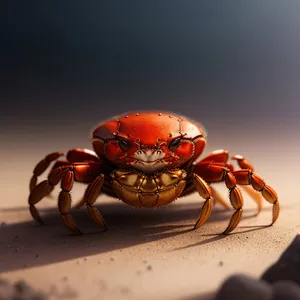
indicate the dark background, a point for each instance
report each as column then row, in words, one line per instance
column 66, row 65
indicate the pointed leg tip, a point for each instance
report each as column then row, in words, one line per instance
column 196, row 226
column 38, row 219
column 104, row 226
column 225, row 232
column 259, row 209
column 77, row 232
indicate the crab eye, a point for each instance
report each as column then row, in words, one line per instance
column 174, row 144
column 124, row 145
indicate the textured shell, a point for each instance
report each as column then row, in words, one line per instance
column 148, row 127
column 137, row 189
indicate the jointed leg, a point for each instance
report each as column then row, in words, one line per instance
column 64, row 201
column 236, row 200
column 73, row 156
column 61, row 163
column 41, row 167
column 42, row 190
column 79, row 155
column 248, row 177
column 244, row 164
column 221, row 157
column 84, row 172
column 45, row 187
column 92, row 192
column 205, row 192
column 217, row 173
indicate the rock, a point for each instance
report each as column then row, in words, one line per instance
column 244, row 287
column 286, row 290
column 19, row 291
column 6, row 290
column 288, row 265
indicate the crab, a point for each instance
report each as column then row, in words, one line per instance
column 148, row 159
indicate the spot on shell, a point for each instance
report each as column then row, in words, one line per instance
column 159, row 114
column 126, row 117
column 137, row 114
column 170, row 116
column 138, row 140
column 161, row 128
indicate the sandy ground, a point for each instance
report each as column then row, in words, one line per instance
column 146, row 253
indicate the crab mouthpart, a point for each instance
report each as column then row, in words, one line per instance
column 149, row 166
column 149, row 155
column 149, row 160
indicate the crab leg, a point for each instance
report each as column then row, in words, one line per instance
column 92, row 192
column 205, row 192
column 67, row 174
column 248, row 177
column 244, row 164
column 221, row 157
column 41, row 167
column 216, row 156
column 218, row 173
column 42, row 190
column 64, row 201
column 236, row 200
column 77, row 155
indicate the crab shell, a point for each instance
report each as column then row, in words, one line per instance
column 149, row 141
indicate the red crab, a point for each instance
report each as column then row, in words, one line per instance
column 147, row 159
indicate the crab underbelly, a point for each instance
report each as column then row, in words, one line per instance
column 142, row 190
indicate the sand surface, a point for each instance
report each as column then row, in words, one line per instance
column 146, row 253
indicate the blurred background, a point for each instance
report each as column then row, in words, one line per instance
column 66, row 65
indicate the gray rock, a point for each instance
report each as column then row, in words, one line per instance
column 19, row 291
column 288, row 265
column 286, row 290
column 6, row 290
column 245, row 288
